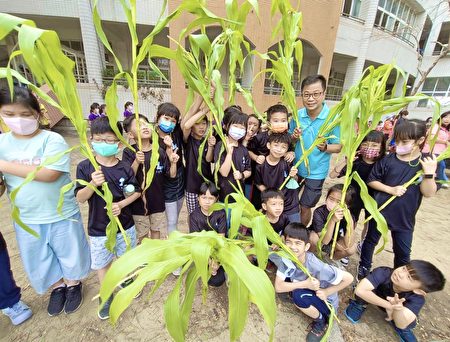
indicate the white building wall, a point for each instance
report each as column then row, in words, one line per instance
column 57, row 8
column 147, row 11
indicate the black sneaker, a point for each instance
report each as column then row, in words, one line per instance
column 362, row 272
column 103, row 313
column 57, row 301
column 318, row 329
column 74, row 298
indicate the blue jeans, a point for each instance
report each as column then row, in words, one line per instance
column 441, row 171
column 401, row 241
column 9, row 292
column 406, row 335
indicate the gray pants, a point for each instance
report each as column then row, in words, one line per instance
column 172, row 212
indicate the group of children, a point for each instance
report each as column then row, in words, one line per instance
column 196, row 165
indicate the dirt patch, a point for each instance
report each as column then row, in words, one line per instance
column 144, row 319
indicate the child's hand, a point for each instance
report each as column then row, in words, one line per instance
column 312, row 284
column 429, row 165
column 322, row 294
column 173, row 158
column 212, row 90
column 289, row 157
column 338, row 214
column 140, row 157
column 168, row 141
column 260, row 159
column 116, row 209
column 211, row 141
column 275, row 247
column 293, row 172
column 237, row 175
column 396, row 302
column 98, row 178
column 297, row 133
column 398, row 190
column 213, row 266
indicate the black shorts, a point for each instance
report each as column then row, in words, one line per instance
column 311, row 192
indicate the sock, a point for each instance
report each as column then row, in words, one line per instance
column 61, row 285
column 320, row 317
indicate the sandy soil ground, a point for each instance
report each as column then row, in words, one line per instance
column 144, row 319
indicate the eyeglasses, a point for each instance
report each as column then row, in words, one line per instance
column 314, row 95
column 108, row 141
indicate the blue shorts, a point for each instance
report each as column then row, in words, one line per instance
column 101, row 256
column 61, row 251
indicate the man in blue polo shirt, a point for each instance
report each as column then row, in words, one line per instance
column 311, row 117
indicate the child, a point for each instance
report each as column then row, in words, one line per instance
column 309, row 294
column 345, row 245
column 234, row 153
column 149, row 213
column 195, row 126
column 277, row 117
column 118, row 175
column 272, row 172
column 400, row 292
column 59, row 258
column 387, row 178
column 102, row 109
column 273, row 206
column 10, row 303
column 203, row 219
column 251, row 191
column 95, row 112
column 372, row 149
column 171, row 136
column 128, row 109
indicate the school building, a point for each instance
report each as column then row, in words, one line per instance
column 340, row 39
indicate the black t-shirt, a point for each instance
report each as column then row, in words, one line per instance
column 272, row 176
column 241, row 161
column 117, row 177
column 380, row 278
column 319, row 219
column 363, row 169
column 216, row 221
column 174, row 187
column 400, row 214
column 2, row 243
column 154, row 195
column 258, row 144
column 282, row 222
column 193, row 179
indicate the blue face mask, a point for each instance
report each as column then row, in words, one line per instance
column 105, row 150
column 166, row 126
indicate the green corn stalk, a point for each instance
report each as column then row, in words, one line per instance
column 41, row 51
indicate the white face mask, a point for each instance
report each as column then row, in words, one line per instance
column 237, row 133
column 21, row 126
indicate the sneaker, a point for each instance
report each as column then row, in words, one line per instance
column 444, row 186
column 362, row 272
column 103, row 313
column 57, row 301
column 359, row 247
column 354, row 311
column 18, row 313
column 318, row 329
column 344, row 261
column 74, row 298
column 127, row 283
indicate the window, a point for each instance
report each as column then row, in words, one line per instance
column 397, row 18
column 335, row 86
column 272, row 87
column 351, row 8
column 76, row 45
column 438, row 87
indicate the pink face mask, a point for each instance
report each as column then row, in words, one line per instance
column 404, row 150
column 369, row 152
column 21, row 126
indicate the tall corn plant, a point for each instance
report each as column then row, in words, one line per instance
column 41, row 51
column 365, row 101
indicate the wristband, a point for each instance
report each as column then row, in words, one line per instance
column 325, row 148
column 428, row 175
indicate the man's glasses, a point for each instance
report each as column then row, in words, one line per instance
column 314, row 95
column 108, row 141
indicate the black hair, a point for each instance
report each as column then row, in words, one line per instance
column 229, row 112
column 169, row 109
column 271, row 193
column 430, row 118
column 283, row 138
column 443, row 115
column 128, row 103
column 21, row 95
column 101, row 126
column 430, row 277
column 407, row 130
column 297, row 230
column 278, row 108
column 338, row 188
column 254, row 116
column 377, row 137
column 239, row 119
column 208, row 186
column 94, row 106
column 314, row 79
column 102, row 108
column 129, row 120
